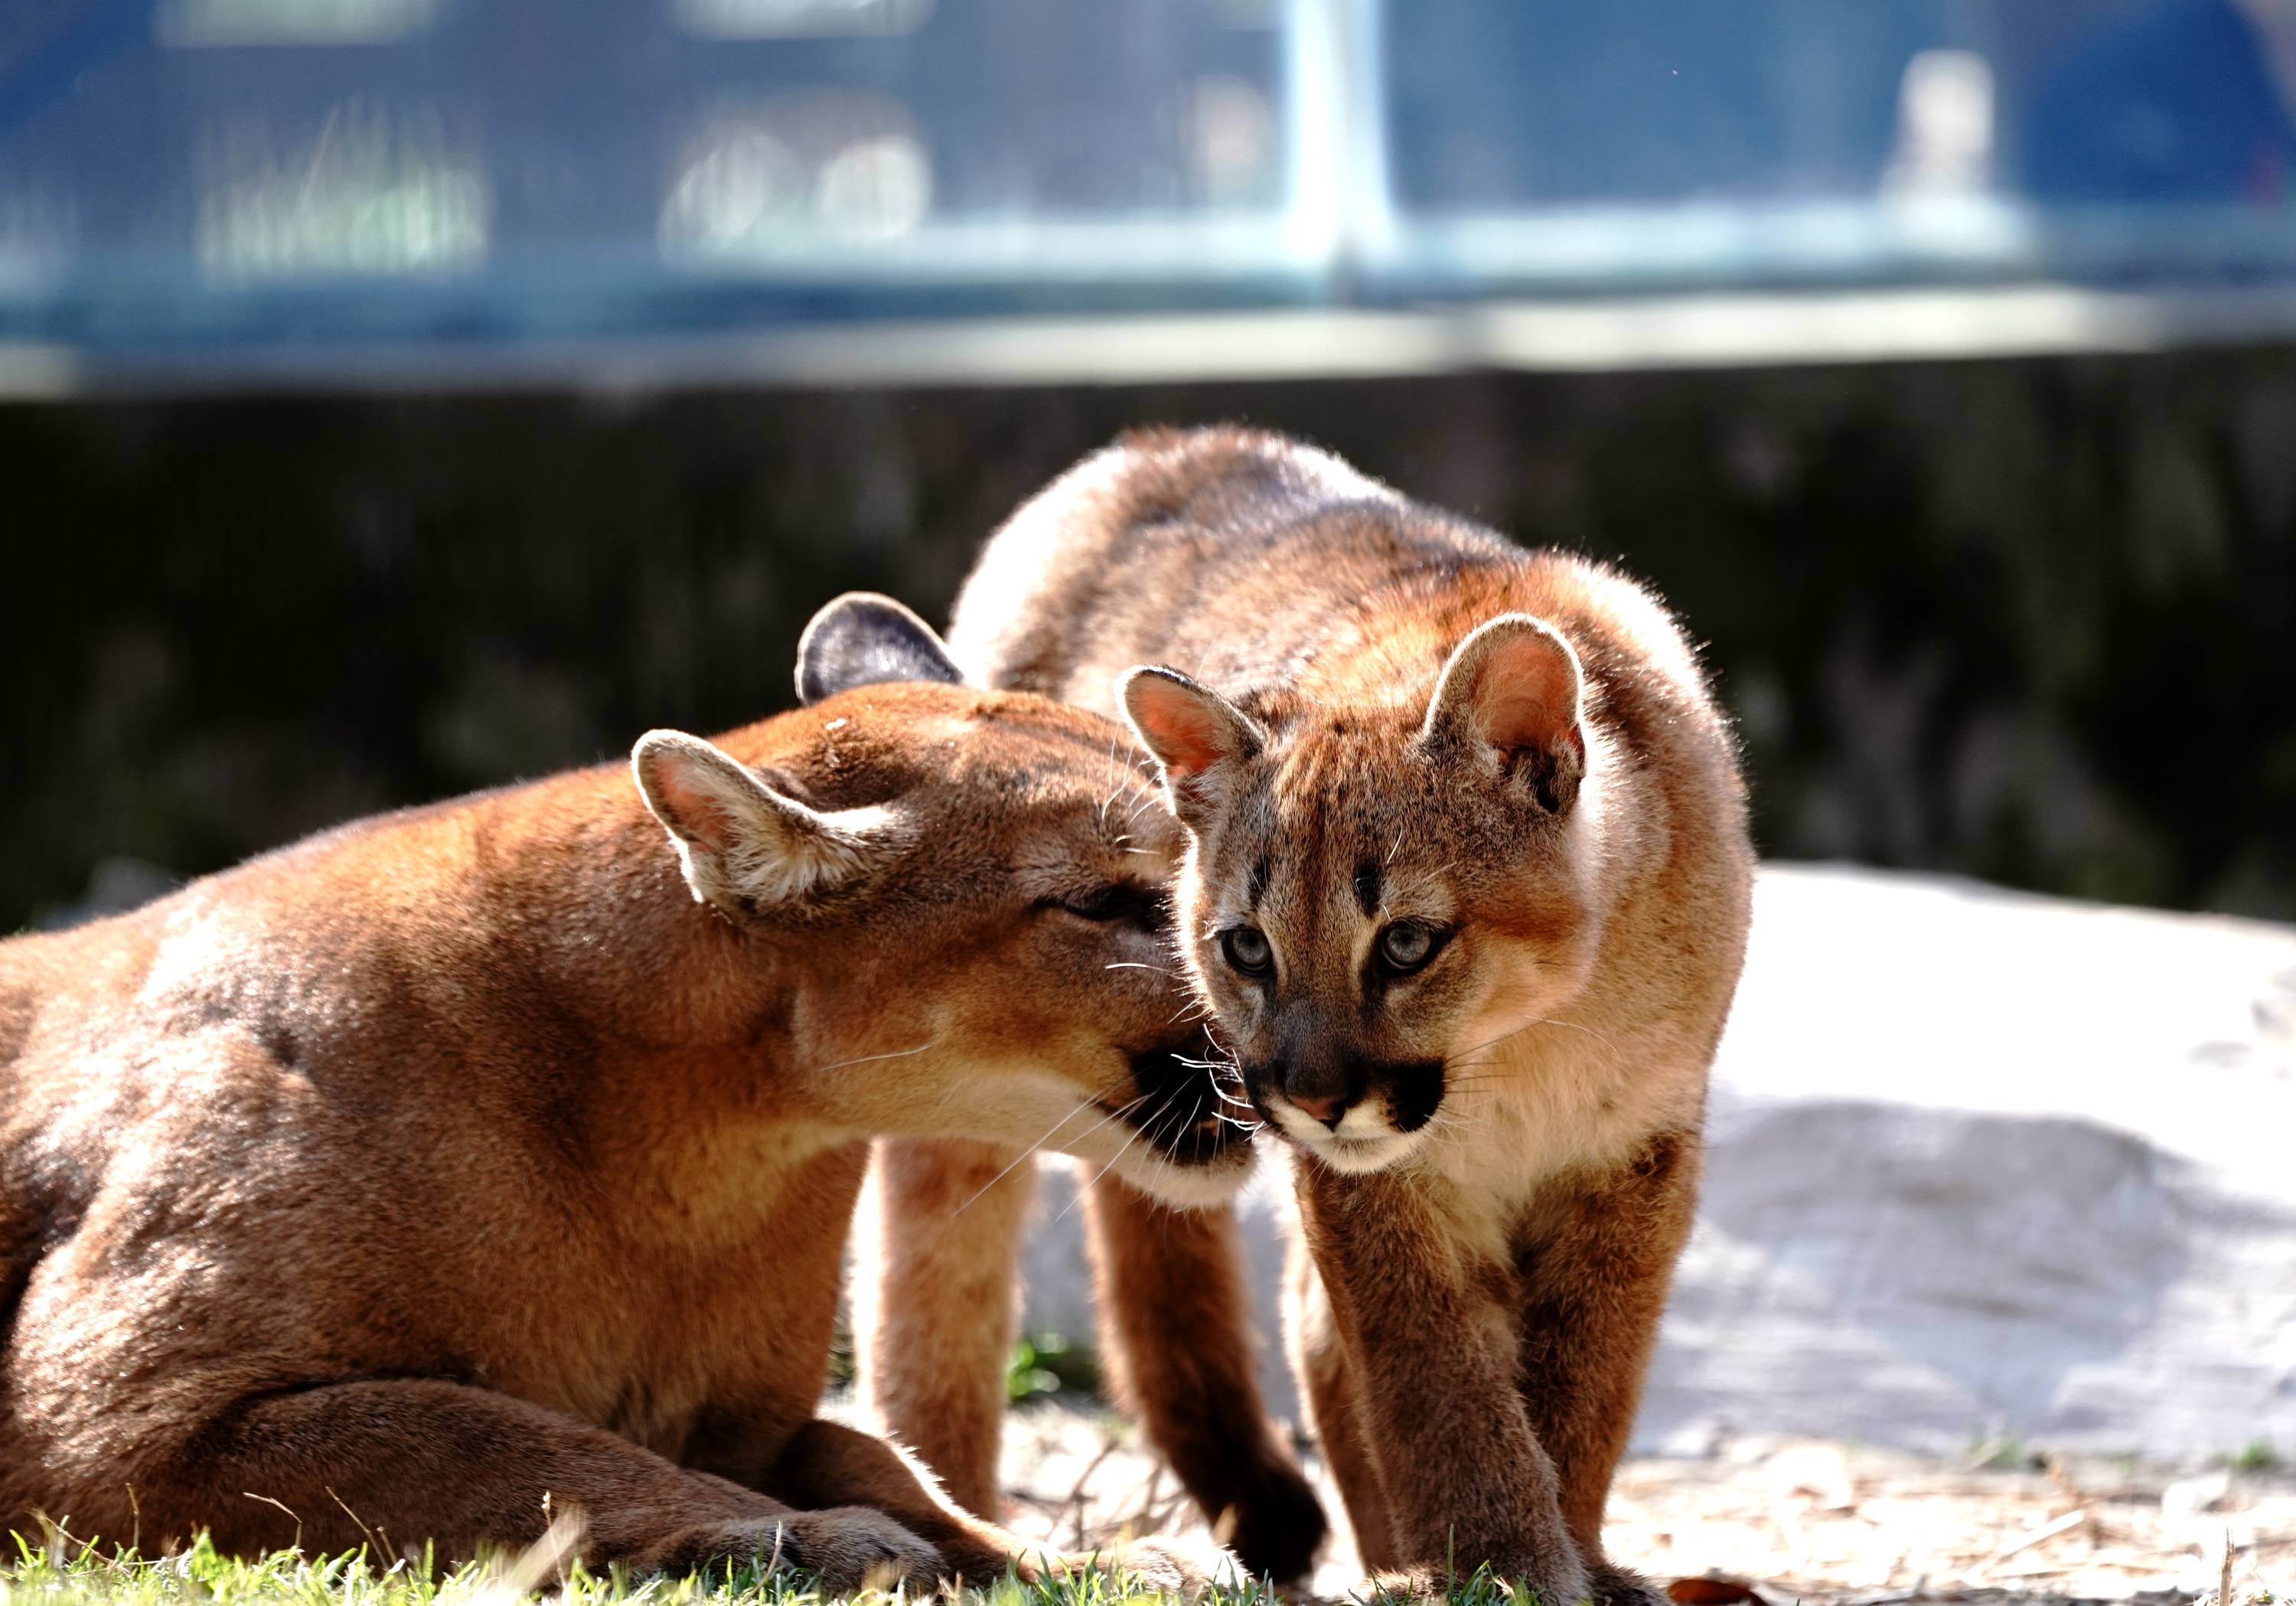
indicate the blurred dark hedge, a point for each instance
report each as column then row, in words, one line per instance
column 2033, row 622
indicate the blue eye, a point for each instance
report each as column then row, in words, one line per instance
column 1247, row 950
column 1406, row 945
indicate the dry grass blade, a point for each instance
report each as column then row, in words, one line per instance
column 2041, row 1534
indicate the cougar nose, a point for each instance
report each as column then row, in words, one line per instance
column 1326, row 1108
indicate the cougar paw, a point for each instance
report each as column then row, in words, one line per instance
column 847, row 1548
column 1174, row 1566
column 853, row 1547
column 1276, row 1527
column 1413, row 1588
column 1556, row 1580
column 1623, row 1587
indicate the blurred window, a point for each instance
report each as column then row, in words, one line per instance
column 212, row 183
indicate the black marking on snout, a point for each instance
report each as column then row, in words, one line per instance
column 1414, row 1093
column 1259, row 1081
column 1180, row 1110
column 1412, row 1089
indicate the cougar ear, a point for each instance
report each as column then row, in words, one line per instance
column 863, row 638
column 1193, row 731
column 1513, row 691
column 743, row 845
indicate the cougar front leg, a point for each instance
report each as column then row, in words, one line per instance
column 1432, row 1338
column 936, row 1301
column 1333, row 1395
column 1175, row 1325
column 1594, row 1290
column 405, row 1462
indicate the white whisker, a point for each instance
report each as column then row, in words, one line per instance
column 1082, row 1105
column 1120, row 1152
column 867, row 1059
column 1575, row 1026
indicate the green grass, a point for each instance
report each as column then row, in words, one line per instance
column 1050, row 1363
column 2257, row 1455
column 63, row 1575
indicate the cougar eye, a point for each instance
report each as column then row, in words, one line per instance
column 1116, row 902
column 1406, row 945
column 1247, row 950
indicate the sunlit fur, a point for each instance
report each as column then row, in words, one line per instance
column 1505, row 1145
column 388, row 1183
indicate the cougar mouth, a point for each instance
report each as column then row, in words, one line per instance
column 1184, row 1112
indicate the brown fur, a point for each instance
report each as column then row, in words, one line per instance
column 1174, row 1335
column 946, row 1216
column 1391, row 717
column 391, row 1182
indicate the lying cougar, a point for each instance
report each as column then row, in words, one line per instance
column 498, row 1156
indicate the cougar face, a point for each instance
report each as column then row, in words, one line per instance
column 1044, row 922
column 1376, row 896
column 999, row 885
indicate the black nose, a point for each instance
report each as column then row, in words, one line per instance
column 1325, row 1087
column 1411, row 1088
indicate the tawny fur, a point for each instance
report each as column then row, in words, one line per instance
column 1499, row 1152
column 392, row 1182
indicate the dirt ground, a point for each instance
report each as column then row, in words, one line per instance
column 1796, row 1520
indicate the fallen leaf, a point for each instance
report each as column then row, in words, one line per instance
column 1713, row 1591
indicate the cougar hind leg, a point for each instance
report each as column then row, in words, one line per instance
column 406, row 1463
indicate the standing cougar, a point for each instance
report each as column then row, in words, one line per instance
column 1467, row 889
column 498, row 1156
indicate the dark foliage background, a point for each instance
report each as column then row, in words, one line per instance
column 2032, row 622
